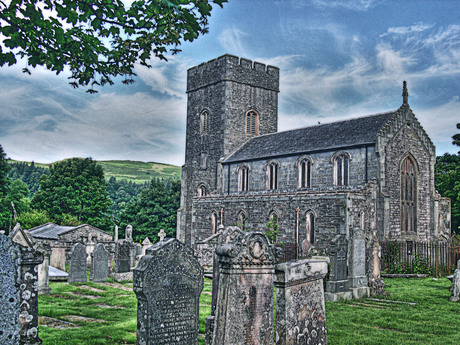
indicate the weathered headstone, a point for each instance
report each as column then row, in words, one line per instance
column 300, row 310
column 124, row 260
column 377, row 285
column 145, row 245
column 43, row 269
column 224, row 237
column 77, row 267
column 162, row 234
column 18, row 293
column 455, row 290
column 337, row 286
column 99, row 264
column 357, row 275
column 244, row 311
column 115, row 237
column 168, row 282
column 58, row 258
column 129, row 233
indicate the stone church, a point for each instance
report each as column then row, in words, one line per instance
column 373, row 174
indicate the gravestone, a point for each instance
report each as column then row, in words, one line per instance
column 58, row 258
column 162, row 234
column 124, row 260
column 337, row 286
column 357, row 275
column 99, row 264
column 129, row 233
column 300, row 309
column 18, row 293
column 115, row 237
column 377, row 285
column 77, row 267
column 244, row 311
column 43, row 269
column 145, row 245
column 455, row 290
column 224, row 237
column 168, row 282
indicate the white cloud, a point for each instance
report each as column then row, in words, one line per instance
column 391, row 61
column 404, row 30
column 355, row 5
column 231, row 40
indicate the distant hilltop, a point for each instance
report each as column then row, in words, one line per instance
column 135, row 171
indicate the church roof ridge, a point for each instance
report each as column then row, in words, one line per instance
column 333, row 135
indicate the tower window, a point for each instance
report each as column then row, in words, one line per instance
column 213, row 223
column 243, row 178
column 201, row 191
column 310, row 222
column 204, row 124
column 408, row 195
column 252, row 123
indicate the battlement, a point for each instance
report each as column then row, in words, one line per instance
column 232, row 68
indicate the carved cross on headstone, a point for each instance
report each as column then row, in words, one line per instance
column 162, row 234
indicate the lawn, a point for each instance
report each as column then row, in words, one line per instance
column 89, row 313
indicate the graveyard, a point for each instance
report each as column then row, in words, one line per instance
column 105, row 313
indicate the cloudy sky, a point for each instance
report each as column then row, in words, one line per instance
column 338, row 59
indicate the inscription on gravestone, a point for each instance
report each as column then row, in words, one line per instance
column 168, row 282
column 99, row 264
column 77, row 268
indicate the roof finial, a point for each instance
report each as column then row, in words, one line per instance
column 405, row 94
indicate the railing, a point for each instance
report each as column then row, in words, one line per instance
column 411, row 257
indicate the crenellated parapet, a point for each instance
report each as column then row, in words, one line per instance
column 233, row 68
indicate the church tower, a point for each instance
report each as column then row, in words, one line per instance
column 229, row 101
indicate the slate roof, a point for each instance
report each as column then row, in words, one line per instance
column 50, row 231
column 330, row 136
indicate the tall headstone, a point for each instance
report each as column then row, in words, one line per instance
column 337, row 287
column 455, row 290
column 145, row 245
column 115, row 237
column 129, row 233
column 224, row 237
column 244, row 311
column 124, row 260
column 43, row 269
column 357, row 275
column 18, row 293
column 58, row 258
column 377, row 285
column 168, row 282
column 300, row 309
column 99, row 264
column 77, row 267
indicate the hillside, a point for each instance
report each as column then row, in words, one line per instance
column 135, row 171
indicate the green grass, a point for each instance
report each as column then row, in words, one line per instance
column 434, row 320
column 135, row 171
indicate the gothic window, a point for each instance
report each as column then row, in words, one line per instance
column 241, row 222
column 201, row 190
column 243, row 178
column 408, row 195
column 204, row 122
column 272, row 175
column 310, row 227
column 304, row 168
column 213, row 223
column 252, row 123
column 362, row 220
column 341, row 165
column 203, row 160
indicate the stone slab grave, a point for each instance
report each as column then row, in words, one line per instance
column 357, row 270
column 18, row 293
column 124, row 260
column 300, row 309
column 337, row 287
column 244, row 311
column 168, row 281
column 99, row 264
column 455, row 290
column 77, row 267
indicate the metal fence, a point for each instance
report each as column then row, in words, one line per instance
column 289, row 252
column 411, row 257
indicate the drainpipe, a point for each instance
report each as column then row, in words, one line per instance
column 297, row 210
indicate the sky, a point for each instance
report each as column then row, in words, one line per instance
column 338, row 59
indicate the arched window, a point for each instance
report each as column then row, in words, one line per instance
column 341, row 165
column 362, row 220
column 304, row 168
column 204, row 122
column 241, row 221
column 310, row 227
column 408, row 195
column 201, row 190
column 213, row 223
column 252, row 123
column 243, row 178
column 272, row 175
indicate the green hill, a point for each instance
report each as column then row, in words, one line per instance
column 135, row 171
